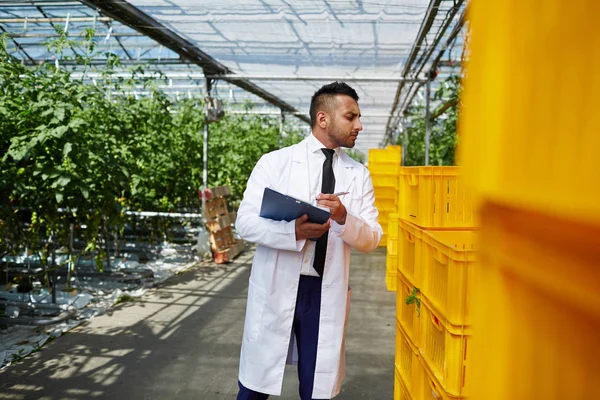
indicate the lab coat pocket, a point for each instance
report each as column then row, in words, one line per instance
column 348, row 307
column 254, row 312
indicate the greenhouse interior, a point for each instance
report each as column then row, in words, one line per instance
column 169, row 228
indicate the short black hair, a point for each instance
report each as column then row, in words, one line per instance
column 323, row 98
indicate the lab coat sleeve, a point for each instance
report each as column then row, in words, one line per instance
column 362, row 231
column 280, row 235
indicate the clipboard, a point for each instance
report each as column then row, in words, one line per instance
column 280, row 207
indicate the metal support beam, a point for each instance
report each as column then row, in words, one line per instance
column 267, row 112
column 432, row 11
column 442, row 109
column 316, row 78
column 55, row 35
column 449, row 18
column 52, row 20
column 101, row 62
column 425, row 55
column 207, row 87
column 409, row 98
column 199, row 75
column 451, row 37
column 141, row 22
column 74, row 3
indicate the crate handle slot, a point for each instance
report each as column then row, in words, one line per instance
column 436, row 322
column 434, row 391
column 409, row 236
column 440, row 257
column 412, row 179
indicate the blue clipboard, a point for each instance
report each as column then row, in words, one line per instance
column 280, row 207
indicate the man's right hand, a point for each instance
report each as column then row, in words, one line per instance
column 309, row 230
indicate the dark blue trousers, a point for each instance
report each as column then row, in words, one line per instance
column 306, row 329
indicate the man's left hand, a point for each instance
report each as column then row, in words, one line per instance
column 337, row 209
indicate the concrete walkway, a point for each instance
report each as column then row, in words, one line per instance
column 182, row 341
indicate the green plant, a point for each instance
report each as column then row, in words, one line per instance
column 125, row 298
column 18, row 356
column 413, row 299
column 443, row 137
column 82, row 154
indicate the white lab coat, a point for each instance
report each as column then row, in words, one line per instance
column 268, row 341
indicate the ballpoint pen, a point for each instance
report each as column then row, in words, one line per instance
column 336, row 194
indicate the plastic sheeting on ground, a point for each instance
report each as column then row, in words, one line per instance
column 91, row 298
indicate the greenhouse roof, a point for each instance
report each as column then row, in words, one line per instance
column 273, row 53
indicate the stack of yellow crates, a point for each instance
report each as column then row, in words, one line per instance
column 530, row 134
column 391, row 257
column 436, row 256
column 384, row 166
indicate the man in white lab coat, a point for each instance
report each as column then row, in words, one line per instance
column 298, row 294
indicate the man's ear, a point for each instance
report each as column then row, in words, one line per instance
column 322, row 119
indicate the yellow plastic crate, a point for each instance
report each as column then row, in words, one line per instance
column 384, row 168
column 391, row 281
column 388, row 206
column 431, row 389
column 435, row 197
column 385, row 180
column 448, row 262
column 390, row 154
column 529, row 134
column 383, row 219
column 391, row 271
column 407, row 364
column 391, row 264
column 393, row 225
column 410, row 247
column 407, row 315
column 392, row 246
column 383, row 241
column 386, row 193
column 444, row 348
column 400, row 390
column 536, row 307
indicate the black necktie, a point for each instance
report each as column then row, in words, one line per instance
column 327, row 186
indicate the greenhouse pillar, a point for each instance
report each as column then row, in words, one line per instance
column 207, row 87
column 281, row 122
column 402, row 142
column 427, row 121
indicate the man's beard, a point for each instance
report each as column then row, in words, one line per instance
column 340, row 140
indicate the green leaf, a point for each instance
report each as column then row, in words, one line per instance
column 412, row 299
column 63, row 181
column 60, row 131
column 59, row 197
column 76, row 123
column 67, row 149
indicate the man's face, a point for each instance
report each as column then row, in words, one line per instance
column 344, row 122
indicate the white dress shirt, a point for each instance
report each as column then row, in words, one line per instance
column 315, row 164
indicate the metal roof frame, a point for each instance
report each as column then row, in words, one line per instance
column 137, row 20
column 141, row 22
column 424, row 50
